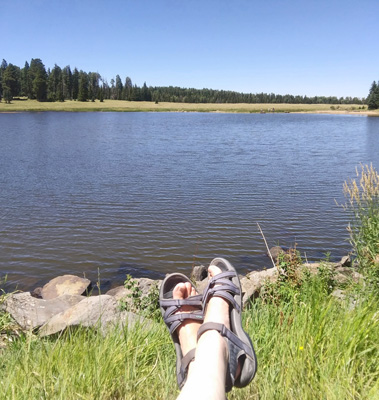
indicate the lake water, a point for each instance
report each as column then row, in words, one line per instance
column 151, row 193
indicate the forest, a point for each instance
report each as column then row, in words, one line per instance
column 59, row 84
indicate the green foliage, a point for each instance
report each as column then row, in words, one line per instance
column 145, row 305
column 295, row 282
column 362, row 204
column 373, row 97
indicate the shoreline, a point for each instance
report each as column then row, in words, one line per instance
column 19, row 106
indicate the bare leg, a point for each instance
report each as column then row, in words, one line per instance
column 187, row 331
column 206, row 377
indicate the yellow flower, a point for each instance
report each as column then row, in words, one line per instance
column 301, row 348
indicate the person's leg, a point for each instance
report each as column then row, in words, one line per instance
column 207, row 373
column 187, row 331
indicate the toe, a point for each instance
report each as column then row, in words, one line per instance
column 213, row 270
column 179, row 291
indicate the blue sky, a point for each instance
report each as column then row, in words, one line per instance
column 322, row 47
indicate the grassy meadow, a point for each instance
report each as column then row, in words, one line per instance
column 121, row 105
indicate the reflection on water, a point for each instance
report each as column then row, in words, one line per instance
column 111, row 193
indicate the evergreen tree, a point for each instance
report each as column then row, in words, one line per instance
column 67, row 83
column 83, row 86
column 11, row 82
column 127, row 89
column 119, row 88
column 93, row 88
column 75, row 84
column 38, row 78
column 26, row 87
column 373, row 96
column 3, row 67
column 54, row 86
column 145, row 93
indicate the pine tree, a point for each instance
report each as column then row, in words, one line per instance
column 83, row 86
column 373, row 96
column 11, row 82
column 38, row 78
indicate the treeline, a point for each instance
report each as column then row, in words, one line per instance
column 373, row 97
column 59, row 84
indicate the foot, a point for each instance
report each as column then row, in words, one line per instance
column 217, row 308
column 187, row 331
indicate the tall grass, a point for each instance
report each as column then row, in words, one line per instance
column 362, row 195
column 309, row 346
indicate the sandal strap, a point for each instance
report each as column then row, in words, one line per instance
column 227, row 333
column 221, row 286
column 236, row 348
column 175, row 320
column 190, row 356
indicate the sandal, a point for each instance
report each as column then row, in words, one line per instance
column 227, row 285
column 173, row 318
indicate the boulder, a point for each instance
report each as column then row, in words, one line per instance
column 30, row 312
column 201, row 285
column 345, row 261
column 275, row 251
column 145, row 284
column 344, row 274
column 252, row 283
column 119, row 292
column 66, row 284
column 99, row 312
column 199, row 273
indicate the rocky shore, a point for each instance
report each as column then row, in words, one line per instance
column 66, row 301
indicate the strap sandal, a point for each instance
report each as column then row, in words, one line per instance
column 241, row 351
column 173, row 318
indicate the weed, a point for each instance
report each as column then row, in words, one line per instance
column 137, row 302
column 362, row 195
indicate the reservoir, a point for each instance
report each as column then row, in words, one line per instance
column 105, row 194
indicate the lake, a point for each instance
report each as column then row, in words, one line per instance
column 106, row 194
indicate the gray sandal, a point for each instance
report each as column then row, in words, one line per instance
column 241, row 351
column 173, row 319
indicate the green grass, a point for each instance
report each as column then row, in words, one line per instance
column 309, row 347
column 120, row 105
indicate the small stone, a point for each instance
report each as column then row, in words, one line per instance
column 275, row 251
column 37, row 293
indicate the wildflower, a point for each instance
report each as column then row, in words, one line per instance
column 301, row 348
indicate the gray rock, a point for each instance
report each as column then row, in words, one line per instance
column 345, row 274
column 201, row 285
column 31, row 313
column 146, row 284
column 338, row 294
column 119, row 292
column 252, row 283
column 275, row 251
column 346, row 261
column 37, row 293
column 100, row 312
column 199, row 273
column 66, row 284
